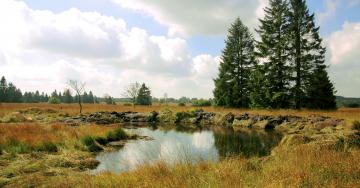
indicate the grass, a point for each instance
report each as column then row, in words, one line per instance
column 304, row 166
column 93, row 144
column 35, row 154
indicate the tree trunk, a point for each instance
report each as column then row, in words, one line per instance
column 80, row 103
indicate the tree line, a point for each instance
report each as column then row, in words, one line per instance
column 9, row 93
column 284, row 69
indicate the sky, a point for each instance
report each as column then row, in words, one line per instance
column 172, row 46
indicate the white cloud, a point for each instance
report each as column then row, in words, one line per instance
column 344, row 44
column 344, row 54
column 330, row 11
column 41, row 50
column 188, row 17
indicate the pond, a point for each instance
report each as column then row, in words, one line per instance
column 175, row 145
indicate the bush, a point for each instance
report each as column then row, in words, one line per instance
column 201, row 102
column 182, row 115
column 54, row 100
column 127, row 104
column 181, row 104
column 47, row 147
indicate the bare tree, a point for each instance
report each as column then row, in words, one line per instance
column 79, row 88
column 132, row 91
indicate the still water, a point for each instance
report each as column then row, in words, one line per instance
column 174, row 146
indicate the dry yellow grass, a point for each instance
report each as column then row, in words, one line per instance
column 34, row 133
column 342, row 113
column 303, row 166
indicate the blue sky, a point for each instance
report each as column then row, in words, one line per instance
column 173, row 46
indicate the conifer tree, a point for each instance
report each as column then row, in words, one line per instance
column 3, row 88
column 308, row 56
column 274, row 50
column 144, row 96
column 238, row 60
column 320, row 92
column 259, row 96
column 67, row 98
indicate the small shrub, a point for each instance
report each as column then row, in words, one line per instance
column 127, row 104
column 54, row 100
column 166, row 115
column 201, row 102
column 182, row 115
column 181, row 104
column 47, row 147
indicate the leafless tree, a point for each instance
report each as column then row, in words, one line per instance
column 132, row 91
column 79, row 88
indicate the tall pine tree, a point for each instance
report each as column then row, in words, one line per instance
column 274, row 50
column 308, row 56
column 238, row 60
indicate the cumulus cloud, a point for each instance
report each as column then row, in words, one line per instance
column 41, row 50
column 344, row 55
column 190, row 17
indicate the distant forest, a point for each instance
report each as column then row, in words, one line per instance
column 9, row 93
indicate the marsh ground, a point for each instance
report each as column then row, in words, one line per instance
column 39, row 151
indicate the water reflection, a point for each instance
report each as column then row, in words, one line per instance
column 246, row 142
column 168, row 146
column 174, row 146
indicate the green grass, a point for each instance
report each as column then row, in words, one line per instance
column 118, row 134
column 90, row 144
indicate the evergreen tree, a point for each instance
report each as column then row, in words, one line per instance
column 37, row 97
column 67, row 98
column 320, row 92
column 144, row 96
column 109, row 100
column 85, row 97
column 307, row 49
column 274, row 49
column 232, row 85
column 3, row 88
column 259, row 96
column 91, row 98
